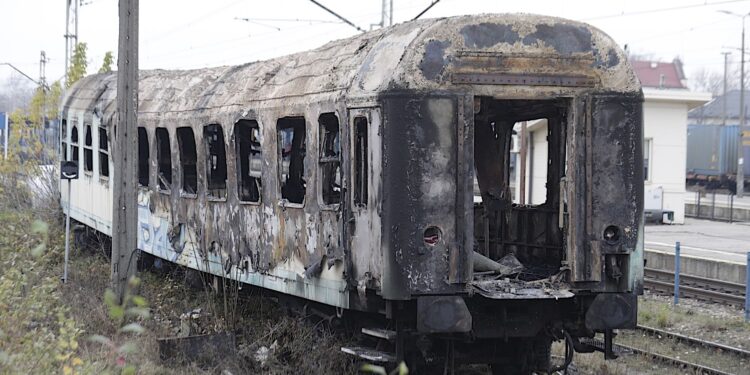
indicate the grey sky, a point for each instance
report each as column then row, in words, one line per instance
column 179, row 34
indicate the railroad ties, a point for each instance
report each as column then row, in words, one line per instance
column 701, row 288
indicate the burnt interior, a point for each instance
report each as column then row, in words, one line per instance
column 143, row 157
column 531, row 232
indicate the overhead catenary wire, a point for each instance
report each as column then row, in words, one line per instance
column 337, row 16
column 426, row 9
column 659, row 10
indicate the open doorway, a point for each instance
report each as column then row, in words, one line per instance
column 519, row 161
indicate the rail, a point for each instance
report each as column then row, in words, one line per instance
column 696, row 368
column 701, row 288
column 693, row 341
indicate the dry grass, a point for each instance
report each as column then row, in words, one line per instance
column 45, row 324
column 298, row 346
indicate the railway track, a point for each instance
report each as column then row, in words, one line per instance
column 691, row 367
column 701, row 288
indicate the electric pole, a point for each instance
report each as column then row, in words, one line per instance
column 42, row 70
column 125, row 208
column 740, row 151
column 71, row 40
column 724, row 93
column 386, row 13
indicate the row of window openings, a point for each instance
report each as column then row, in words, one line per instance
column 291, row 156
column 88, row 150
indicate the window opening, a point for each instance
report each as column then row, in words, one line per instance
column 291, row 145
column 249, row 161
column 74, row 143
column 330, row 158
column 216, row 166
column 143, row 157
column 64, row 139
column 519, row 162
column 360, row 161
column 88, row 151
column 530, row 164
column 103, row 153
column 164, row 159
column 188, row 160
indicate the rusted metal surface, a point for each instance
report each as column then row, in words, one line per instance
column 423, row 108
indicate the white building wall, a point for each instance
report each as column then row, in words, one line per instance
column 536, row 163
column 665, row 124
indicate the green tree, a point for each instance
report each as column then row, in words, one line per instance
column 107, row 65
column 78, row 65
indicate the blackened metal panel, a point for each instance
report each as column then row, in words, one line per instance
column 605, row 196
column 579, row 251
column 617, row 179
column 419, row 156
column 460, row 265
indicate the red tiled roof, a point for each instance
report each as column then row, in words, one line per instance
column 650, row 73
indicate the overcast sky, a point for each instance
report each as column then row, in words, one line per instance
column 179, row 34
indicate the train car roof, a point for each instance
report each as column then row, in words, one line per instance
column 418, row 55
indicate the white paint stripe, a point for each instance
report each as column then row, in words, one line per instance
column 696, row 248
column 696, row 257
column 691, row 256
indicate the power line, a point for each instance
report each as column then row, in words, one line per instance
column 337, row 15
column 681, row 7
column 22, row 73
column 426, row 9
column 305, row 20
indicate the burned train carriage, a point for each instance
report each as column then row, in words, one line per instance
column 377, row 175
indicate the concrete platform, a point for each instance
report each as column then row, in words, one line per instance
column 697, row 266
column 710, row 249
column 712, row 240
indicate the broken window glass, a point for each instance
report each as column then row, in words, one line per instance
column 64, row 137
column 330, row 158
column 188, row 160
column 143, row 157
column 248, row 153
column 216, row 163
column 74, row 144
column 360, row 161
column 103, row 153
column 164, row 160
column 291, row 145
column 88, row 151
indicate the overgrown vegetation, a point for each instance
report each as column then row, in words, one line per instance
column 77, row 328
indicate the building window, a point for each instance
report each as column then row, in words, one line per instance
column 74, row 144
column 103, row 153
column 188, row 160
column 64, row 139
column 143, row 157
column 291, row 146
column 330, row 158
column 249, row 161
column 647, row 159
column 88, row 151
column 360, row 161
column 164, row 160
column 216, row 163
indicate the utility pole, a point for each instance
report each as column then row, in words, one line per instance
column 724, row 93
column 42, row 70
column 386, row 12
column 125, row 210
column 740, row 151
column 71, row 40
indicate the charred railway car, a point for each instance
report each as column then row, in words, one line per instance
column 343, row 177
